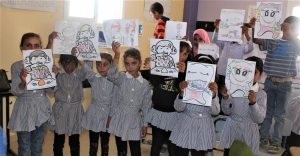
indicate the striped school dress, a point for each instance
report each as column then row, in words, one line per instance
column 68, row 109
column 195, row 128
column 132, row 101
column 32, row 108
column 243, row 120
column 96, row 116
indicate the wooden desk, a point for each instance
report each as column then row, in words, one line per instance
column 6, row 95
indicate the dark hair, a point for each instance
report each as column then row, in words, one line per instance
column 184, row 45
column 67, row 59
column 37, row 53
column 258, row 61
column 29, row 35
column 157, row 7
column 292, row 19
column 106, row 56
column 203, row 58
column 134, row 53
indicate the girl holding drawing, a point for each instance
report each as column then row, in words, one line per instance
column 200, row 36
column 32, row 108
column 131, row 104
column 244, row 114
column 195, row 130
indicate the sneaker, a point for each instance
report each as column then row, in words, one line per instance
column 264, row 143
column 274, row 148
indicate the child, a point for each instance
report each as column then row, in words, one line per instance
column 32, row 107
column 67, row 109
column 131, row 104
column 97, row 117
column 244, row 114
column 162, row 115
column 280, row 67
column 195, row 130
column 157, row 11
column 200, row 36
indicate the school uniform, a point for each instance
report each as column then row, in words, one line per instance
column 131, row 105
column 195, row 129
column 32, row 110
column 242, row 122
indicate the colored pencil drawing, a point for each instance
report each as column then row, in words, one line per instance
column 239, row 77
column 164, row 56
column 199, row 75
column 209, row 49
column 175, row 30
column 38, row 64
column 268, row 21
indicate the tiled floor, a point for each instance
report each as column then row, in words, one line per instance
column 84, row 149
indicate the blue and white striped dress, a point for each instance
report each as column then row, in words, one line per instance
column 68, row 109
column 96, row 116
column 131, row 104
column 195, row 128
column 32, row 108
column 243, row 120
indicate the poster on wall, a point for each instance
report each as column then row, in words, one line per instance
column 268, row 20
column 38, row 64
column 198, row 76
column 230, row 25
column 41, row 5
column 164, row 56
column 175, row 30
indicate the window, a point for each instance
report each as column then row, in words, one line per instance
column 296, row 12
column 99, row 10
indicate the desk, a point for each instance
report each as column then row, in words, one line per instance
column 6, row 95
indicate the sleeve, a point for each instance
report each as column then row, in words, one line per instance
column 84, row 72
column 219, row 43
column 248, row 47
column 226, row 105
column 264, row 45
column 179, row 105
column 161, row 27
column 115, row 76
column 15, row 81
column 146, row 105
column 258, row 110
column 215, row 106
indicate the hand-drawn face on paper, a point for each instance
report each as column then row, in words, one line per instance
column 164, row 56
column 175, row 30
column 38, row 64
column 268, row 20
column 239, row 77
column 199, row 75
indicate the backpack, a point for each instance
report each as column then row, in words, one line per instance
column 4, row 83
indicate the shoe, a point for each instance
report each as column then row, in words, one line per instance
column 274, row 148
column 264, row 143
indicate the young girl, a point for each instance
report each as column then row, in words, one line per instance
column 67, row 109
column 98, row 113
column 131, row 104
column 157, row 11
column 199, row 36
column 162, row 115
column 244, row 114
column 195, row 130
column 32, row 107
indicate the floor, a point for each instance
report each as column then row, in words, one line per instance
column 84, row 150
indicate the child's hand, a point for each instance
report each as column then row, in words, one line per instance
column 252, row 22
column 182, row 86
column 74, row 51
column 246, row 32
column 108, row 121
column 23, row 75
column 144, row 132
column 252, row 97
column 224, row 93
column 51, row 37
column 55, row 69
column 214, row 88
column 116, row 47
column 181, row 67
column 217, row 23
column 147, row 63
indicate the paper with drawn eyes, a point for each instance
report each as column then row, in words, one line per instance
column 209, row 49
column 175, row 30
column 38, row 64
column 268, row 20
column 230, row 25
column 199, row 75
column 239, row 77
column 164, row 56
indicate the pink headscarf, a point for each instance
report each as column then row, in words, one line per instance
column 203, row 34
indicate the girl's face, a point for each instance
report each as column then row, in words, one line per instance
column 183, row 55
column 69, row 67
column 197, row 40
column 32, row 43
column 257, row 75
column 38, row 60
column 132, row 66
column 103, row 67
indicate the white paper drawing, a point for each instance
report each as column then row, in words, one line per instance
column 239, row 77
column 125, row 32
column 209, row 49
column 199, row 75
column 164, row 56
column 230, row 25
column 175, row 30
column 38, row 64
column 268, row 20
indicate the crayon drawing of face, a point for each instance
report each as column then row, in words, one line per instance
column 165, row 48
column 269, row 12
